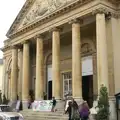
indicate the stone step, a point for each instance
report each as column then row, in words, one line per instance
column 42, row 113
column 30, row 115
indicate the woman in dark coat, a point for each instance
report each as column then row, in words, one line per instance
column 75, row 113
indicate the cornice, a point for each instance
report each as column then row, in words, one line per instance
column 27, row 5
column 4, row 49
column 49, row 17
column 57, row 13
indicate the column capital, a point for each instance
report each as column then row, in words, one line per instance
column 14, row 47
column 108, row 13
column 101, row 10
column 55, row 29
column 25, row 42
column 76, row 20
column 39, row 36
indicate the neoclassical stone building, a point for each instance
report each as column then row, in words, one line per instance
column 63, row 46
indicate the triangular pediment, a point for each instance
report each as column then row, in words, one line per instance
column 36, row 9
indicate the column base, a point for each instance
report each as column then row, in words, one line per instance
column 112, row 103
column 25, row 104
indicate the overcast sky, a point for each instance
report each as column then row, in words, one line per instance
column 8, row 12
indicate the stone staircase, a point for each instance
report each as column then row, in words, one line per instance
column 31, row 115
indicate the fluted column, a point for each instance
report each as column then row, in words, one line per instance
column 26, row 72
column 102, row 61
column 76, row 61
column 56, row 63
column 39, row 89
column 14, row 73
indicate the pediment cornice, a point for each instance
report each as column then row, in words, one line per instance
column 13, row 31
column 21, row 14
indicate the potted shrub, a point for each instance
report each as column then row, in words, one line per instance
column 103, row 104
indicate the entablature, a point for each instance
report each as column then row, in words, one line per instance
column 62, row 16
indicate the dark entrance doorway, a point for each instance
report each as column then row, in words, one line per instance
column 87, row 89
column 49, row 90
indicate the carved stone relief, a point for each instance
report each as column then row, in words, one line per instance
column 86, row 48
column 44, row 7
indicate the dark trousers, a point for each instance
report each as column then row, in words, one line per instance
column 69, row 117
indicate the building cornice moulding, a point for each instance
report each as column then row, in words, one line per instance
column 34, row 24
column 104, row 10
column 6, row 48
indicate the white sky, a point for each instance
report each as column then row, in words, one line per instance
column 8, row 12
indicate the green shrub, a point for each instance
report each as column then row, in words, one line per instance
column 103, row 104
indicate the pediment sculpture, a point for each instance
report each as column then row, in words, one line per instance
column 44, row 7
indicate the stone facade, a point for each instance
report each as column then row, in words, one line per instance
column 57, row 33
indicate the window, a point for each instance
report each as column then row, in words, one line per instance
column 67, row 84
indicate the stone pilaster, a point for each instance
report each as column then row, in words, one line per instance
column 56, row 63
column 4, row 75
column 95, row 83
column 76, row 61
column 102, row 61
column 20, row 73
column 14, row 74
column 39, row 89
column 26, row 73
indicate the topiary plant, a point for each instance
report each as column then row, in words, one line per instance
column 103, row 104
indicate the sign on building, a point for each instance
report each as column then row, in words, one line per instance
column 44, row 105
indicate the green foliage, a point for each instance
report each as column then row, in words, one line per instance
column 103, row 104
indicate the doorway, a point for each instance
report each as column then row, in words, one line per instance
column 87, row 89
column 49, row 82
column 49, row 90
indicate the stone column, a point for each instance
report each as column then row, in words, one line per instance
column 9, row 84
column 56, row 63
column 4, row 75
column 95, row 83
column 39, row 88
column 14, row 74
column 76, row 61
column 102, row 61
column 26, row 74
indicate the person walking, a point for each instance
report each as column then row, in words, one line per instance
column 84, row 111
column 69, row 110
column 74, row 112
column 53, row 104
